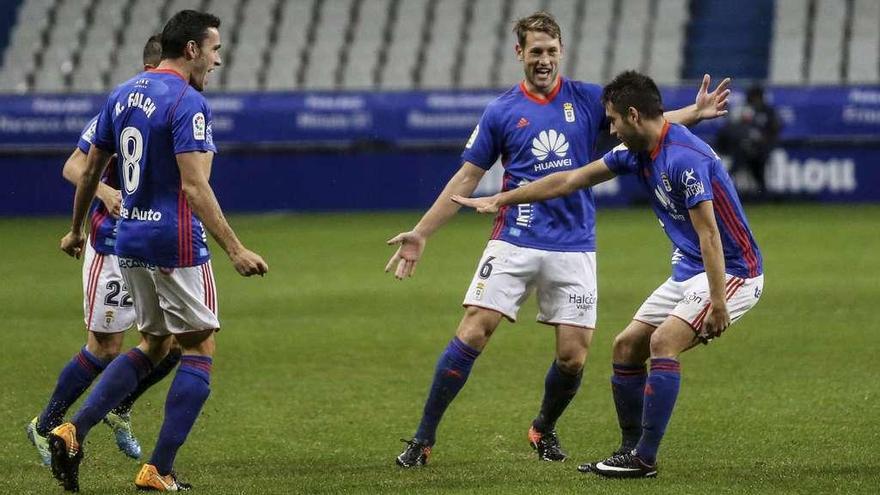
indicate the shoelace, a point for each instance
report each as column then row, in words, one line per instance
column 619, row 459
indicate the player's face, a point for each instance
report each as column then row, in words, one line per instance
column 540, row 57
column 206, row 58
column 625, row 128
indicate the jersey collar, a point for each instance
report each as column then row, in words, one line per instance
column 656, row 150
column 167, row 71
column 539, row 99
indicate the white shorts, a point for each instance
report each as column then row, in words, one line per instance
column 171, row 300
column 565, row 283
column 689, row 300
column 107, row 305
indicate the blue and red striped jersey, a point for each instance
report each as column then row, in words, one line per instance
column 147, row 121
column 102, row 225
column 536, row 137
column 679, row 173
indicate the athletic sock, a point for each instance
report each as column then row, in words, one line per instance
column 120, row 378
column 450, row 375
column 187, row 395
column 73, row 380
column 559, row 389
column 159, row 372
column 628, row 389
column 660, row 395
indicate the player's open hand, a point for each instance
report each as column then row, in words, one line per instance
column 247, row 263
column 717, row 320
column 482, row 205
column 403, row 261
column 712, row 104
column 73, row 243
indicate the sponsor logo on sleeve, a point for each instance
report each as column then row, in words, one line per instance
column 199, row 126
column 89, row 135
column 692, row 185
column 209, row 134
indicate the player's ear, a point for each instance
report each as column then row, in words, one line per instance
column 633, row 114
column 519, row 52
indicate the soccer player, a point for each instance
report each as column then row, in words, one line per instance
column 543, row 125
column 717, row 273
column 159, row 124
column 108, row 310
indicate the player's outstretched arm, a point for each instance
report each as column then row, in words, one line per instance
column 551, row 186
column 412, row 244
column 96, row 162
column 707, row 105
column 703, row 219
column 73, row 171
column 195, row 169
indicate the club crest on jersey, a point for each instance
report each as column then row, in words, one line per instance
column 568, row 110
column 199, row 126
column 692, row 185
column 666, row 184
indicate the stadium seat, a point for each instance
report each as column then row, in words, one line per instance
column 441, row 57
column 592, row 46
column 285, row 53
column 324, row 53
column 667, row 46
column 366, row 44
column 482, row 41
column 789, row 38
column 403, row 50
column 864, row 60
column 825, row 66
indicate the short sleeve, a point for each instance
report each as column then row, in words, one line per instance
column 695, row 181
column 484, row 145
column 103, row 135
column 192, row 125
column 87, row 136
column 620, row 160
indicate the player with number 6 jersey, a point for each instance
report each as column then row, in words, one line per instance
column 543, row 126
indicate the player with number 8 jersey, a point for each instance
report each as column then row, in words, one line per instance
column 156, row 224
column 159, row 125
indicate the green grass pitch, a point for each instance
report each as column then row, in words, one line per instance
column 323, row 365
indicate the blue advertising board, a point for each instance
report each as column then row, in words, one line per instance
column 407, row 117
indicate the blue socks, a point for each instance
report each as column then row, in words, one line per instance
column 661, row 392
column 120, row 378
column 159, row 372
column 74, row 379
column 187, row 395
column 628, row 389
column 559, row 389
column 450, row 375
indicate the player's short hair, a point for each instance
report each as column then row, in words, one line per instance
column 153, row 50
column 632, row 89
column 540, row 21
column 183, row 27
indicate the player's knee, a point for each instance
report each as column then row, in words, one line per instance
column 662, row 345
column 571, row 363
column 104, row 346
column 476, row 327
column 626, row 345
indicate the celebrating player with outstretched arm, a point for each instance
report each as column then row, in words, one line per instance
column 160, row 125
column 717, row 272
column 543, row 125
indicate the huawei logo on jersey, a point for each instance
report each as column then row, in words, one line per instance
column 547, row 142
